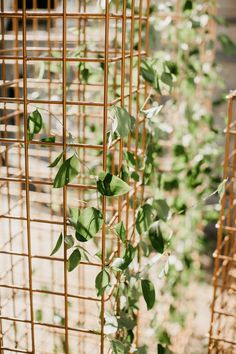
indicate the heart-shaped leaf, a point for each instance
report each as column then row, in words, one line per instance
column 144, row 218
column 120, row 230
column 123, row 263
column 125, row 122
column 153, row 111
column 188, row 5
column 69, row 241
column 74, row 260
column 149, row 294
column 102, row 281
column 87, row 222
column 162, row 209
column 118, row 347
column 57, row 160
column 58, row 245
column 167, row 79
column 149, row 74
column 111, row 324
column 67, row 172
column 48, row 139
column 156, row 238
column 35, row 123
column 111, row 185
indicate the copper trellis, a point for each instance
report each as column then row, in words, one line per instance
column 222, row 334
column 43, row 52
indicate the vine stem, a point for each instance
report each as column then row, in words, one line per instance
column 52, row 114
column 72, row 140
column 201, row 201
column 147, row 99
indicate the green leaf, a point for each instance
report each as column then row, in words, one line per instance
column 150, row 75
column 153, row 111
column 67, row 172
column 162, row 209
column 124, row 173
column 125, row 122
column 111, row 185
column 221, row 188
column 123, row 263
column 126, row 320
column 121, row 232
column 147, row 72
column 167, row 79
column 49, row 139
column 87, row 222
column 134, row 176
column 129, row 156
column 172, row 66
column 188, row 5
column 102, row 281
column 148, row 293
column 118, row 347
column 58, row 245
column 144, row 218
column 35, row 123
column 85, row 74
column 69, row 241
column 160, row 349
column 128, row 256
column 118, row 263
column 57, row 160
column 74, row 260
column 228, row 46
column 156, row 238
column 163, row 350
column 142, row 349
column 111, row 323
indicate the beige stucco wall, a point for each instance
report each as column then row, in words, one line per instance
column 227, row 9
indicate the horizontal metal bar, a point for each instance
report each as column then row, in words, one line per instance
column 59, row 102
column 78, row 145
column 48, row 258
column 51, row 325
column 218, row 339
column 49, row 292
column 15, row 350
column 46, row 183
column 222, row 313
column 87, row 15
column 68, row 59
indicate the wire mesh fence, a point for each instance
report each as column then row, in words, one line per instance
column 73, row 61
column 223, row 325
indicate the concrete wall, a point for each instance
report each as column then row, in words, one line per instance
column 227, row 9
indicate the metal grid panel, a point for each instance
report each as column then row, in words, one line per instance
column 222, row 335
column 44, row 309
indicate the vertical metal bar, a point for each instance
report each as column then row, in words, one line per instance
column 144, row 135
column 26, row 147
column 130, row 105
column 140, row 14
column 10, row 232
column 121, row 142
column 64, row 43
column 104, row 158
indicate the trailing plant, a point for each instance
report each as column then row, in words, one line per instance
column 186, row 170
column 85, row 223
